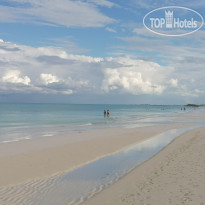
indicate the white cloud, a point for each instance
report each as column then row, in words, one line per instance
column 50, row 70
column 111, row 30
column 199, row 91
column 74, row 13
column 183, row 57
column 132, row 80
column 49, row 78
column 102, row 3
column 173, row 82
column 14, row 76
column 151, row 4
column 67, row 92
column 84, row 58
column 76, row 84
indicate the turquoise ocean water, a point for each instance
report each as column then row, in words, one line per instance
column 26, row 121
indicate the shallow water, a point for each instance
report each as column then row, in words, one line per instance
column 26, row 121
column 82, row 183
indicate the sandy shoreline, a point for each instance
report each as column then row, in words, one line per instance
column 26, row 160
column 174, row 176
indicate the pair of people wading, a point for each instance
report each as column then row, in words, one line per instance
column 106, row 113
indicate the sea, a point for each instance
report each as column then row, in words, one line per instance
column 27, row 121
column 24, row 121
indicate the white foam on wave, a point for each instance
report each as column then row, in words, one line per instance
column 87, row 124
column 16, row 140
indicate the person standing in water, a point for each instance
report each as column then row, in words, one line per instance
column 104, row 113
column 108, row 113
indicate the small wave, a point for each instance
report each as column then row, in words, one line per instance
column 48, row 135
column 84, row 125
column 16, row 140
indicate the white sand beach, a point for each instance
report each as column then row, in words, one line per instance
column 174, row 176
column 26, row 160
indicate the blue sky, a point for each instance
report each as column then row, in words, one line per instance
column 96, row 51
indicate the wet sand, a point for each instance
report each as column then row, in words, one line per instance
column 174, row 176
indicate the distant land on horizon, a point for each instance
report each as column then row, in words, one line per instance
column 195, row 105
